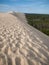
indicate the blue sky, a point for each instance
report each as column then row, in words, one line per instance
column 26, row 6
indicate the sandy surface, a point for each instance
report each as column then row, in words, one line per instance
column 21, row 44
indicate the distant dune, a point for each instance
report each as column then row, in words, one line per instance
column 20, row 43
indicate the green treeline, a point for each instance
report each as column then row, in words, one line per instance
column 39, row 21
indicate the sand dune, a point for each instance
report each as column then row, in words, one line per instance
column 21, row 44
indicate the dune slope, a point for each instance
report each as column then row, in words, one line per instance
column 21, row 44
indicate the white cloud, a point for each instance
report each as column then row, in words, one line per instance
column 3, row 5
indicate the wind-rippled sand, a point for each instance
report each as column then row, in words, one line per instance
column 21, row 44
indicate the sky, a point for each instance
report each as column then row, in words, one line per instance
column 25, row 6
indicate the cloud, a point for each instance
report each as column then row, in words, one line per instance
column 4, row 8
column 3, row 5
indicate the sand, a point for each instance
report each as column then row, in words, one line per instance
column 21, row 44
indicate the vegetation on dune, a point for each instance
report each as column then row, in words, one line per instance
column 39, row 21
